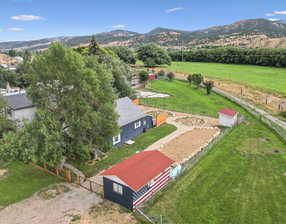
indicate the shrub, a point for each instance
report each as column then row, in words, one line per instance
column 161, row 73
column 170, row 76
column 143, row 76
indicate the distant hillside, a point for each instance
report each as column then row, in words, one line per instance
column 246, row 33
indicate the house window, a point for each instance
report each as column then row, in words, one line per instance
column 144, row 122
column 117, row 188
column 137, row 124
column 116, row 139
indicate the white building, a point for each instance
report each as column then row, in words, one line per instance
column 19, row 107
column 228, row 117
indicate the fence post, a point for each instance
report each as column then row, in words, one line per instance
column 78, row 179
column 57, row 171
column 68, row 175
column 90, row 185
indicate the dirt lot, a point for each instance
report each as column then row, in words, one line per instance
column 50, row 207
column 107, row 213
column 188, row 144
column 193, row 133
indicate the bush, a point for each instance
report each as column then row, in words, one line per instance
column 161, row 73
column 209, row 85
column 170, row 76
column 143, row 76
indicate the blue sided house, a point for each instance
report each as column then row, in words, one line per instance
column 132, row 121
column 137, row 178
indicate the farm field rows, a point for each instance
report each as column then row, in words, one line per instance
column 242, row 180
column 268, row 78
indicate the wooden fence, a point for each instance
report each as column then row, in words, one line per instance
column 161, row 119
column 71, row 177
column 136, row 101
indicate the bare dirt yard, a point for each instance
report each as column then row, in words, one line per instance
column 193, row 133
column 55, row 205
column 107, row 212
column 185, row 146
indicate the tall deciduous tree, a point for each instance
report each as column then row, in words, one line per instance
column 125, row 54
column 153, row 55
column 121, row 74
column 76, row 109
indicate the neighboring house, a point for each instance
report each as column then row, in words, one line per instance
column 19, row 107
column 137, row 178
column 228, row 117
column 132, row 121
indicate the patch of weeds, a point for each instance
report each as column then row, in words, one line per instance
column 75, row 218
column 53, row 191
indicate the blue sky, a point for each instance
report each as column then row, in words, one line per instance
column 33, row 19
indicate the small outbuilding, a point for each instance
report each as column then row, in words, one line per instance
column 137, row 178
column 132, row 121
column 228, row 117
column 152, row 76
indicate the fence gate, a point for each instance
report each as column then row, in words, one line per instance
column 89, row 184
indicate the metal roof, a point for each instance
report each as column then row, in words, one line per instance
column 228, row 112
column 128, row 111
column 18, row 101
column 139, row 169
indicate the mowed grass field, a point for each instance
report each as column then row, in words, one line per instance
column 268, row 78
column 242, row 180
column 186, row 99
column 22, row 181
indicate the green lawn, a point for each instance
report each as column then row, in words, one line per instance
column 186, row 99
column 269, row 78
column 240, row 181
column 21, row 182
column 123, row 152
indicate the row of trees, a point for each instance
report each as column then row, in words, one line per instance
column 150, row 54
column 75, row 95
column 264, row 57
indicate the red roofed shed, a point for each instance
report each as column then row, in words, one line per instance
column 227, row 117
column 137, row 178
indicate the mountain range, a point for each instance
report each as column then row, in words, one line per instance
column 246, row 33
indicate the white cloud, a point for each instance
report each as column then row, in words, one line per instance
column 273, row 19
column 15, row 29
column 27, row 17
column 174, row 9
column 280, row 12
column 120, row 26
column 270, row 14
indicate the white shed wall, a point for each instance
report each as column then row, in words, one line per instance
column 227, row 121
